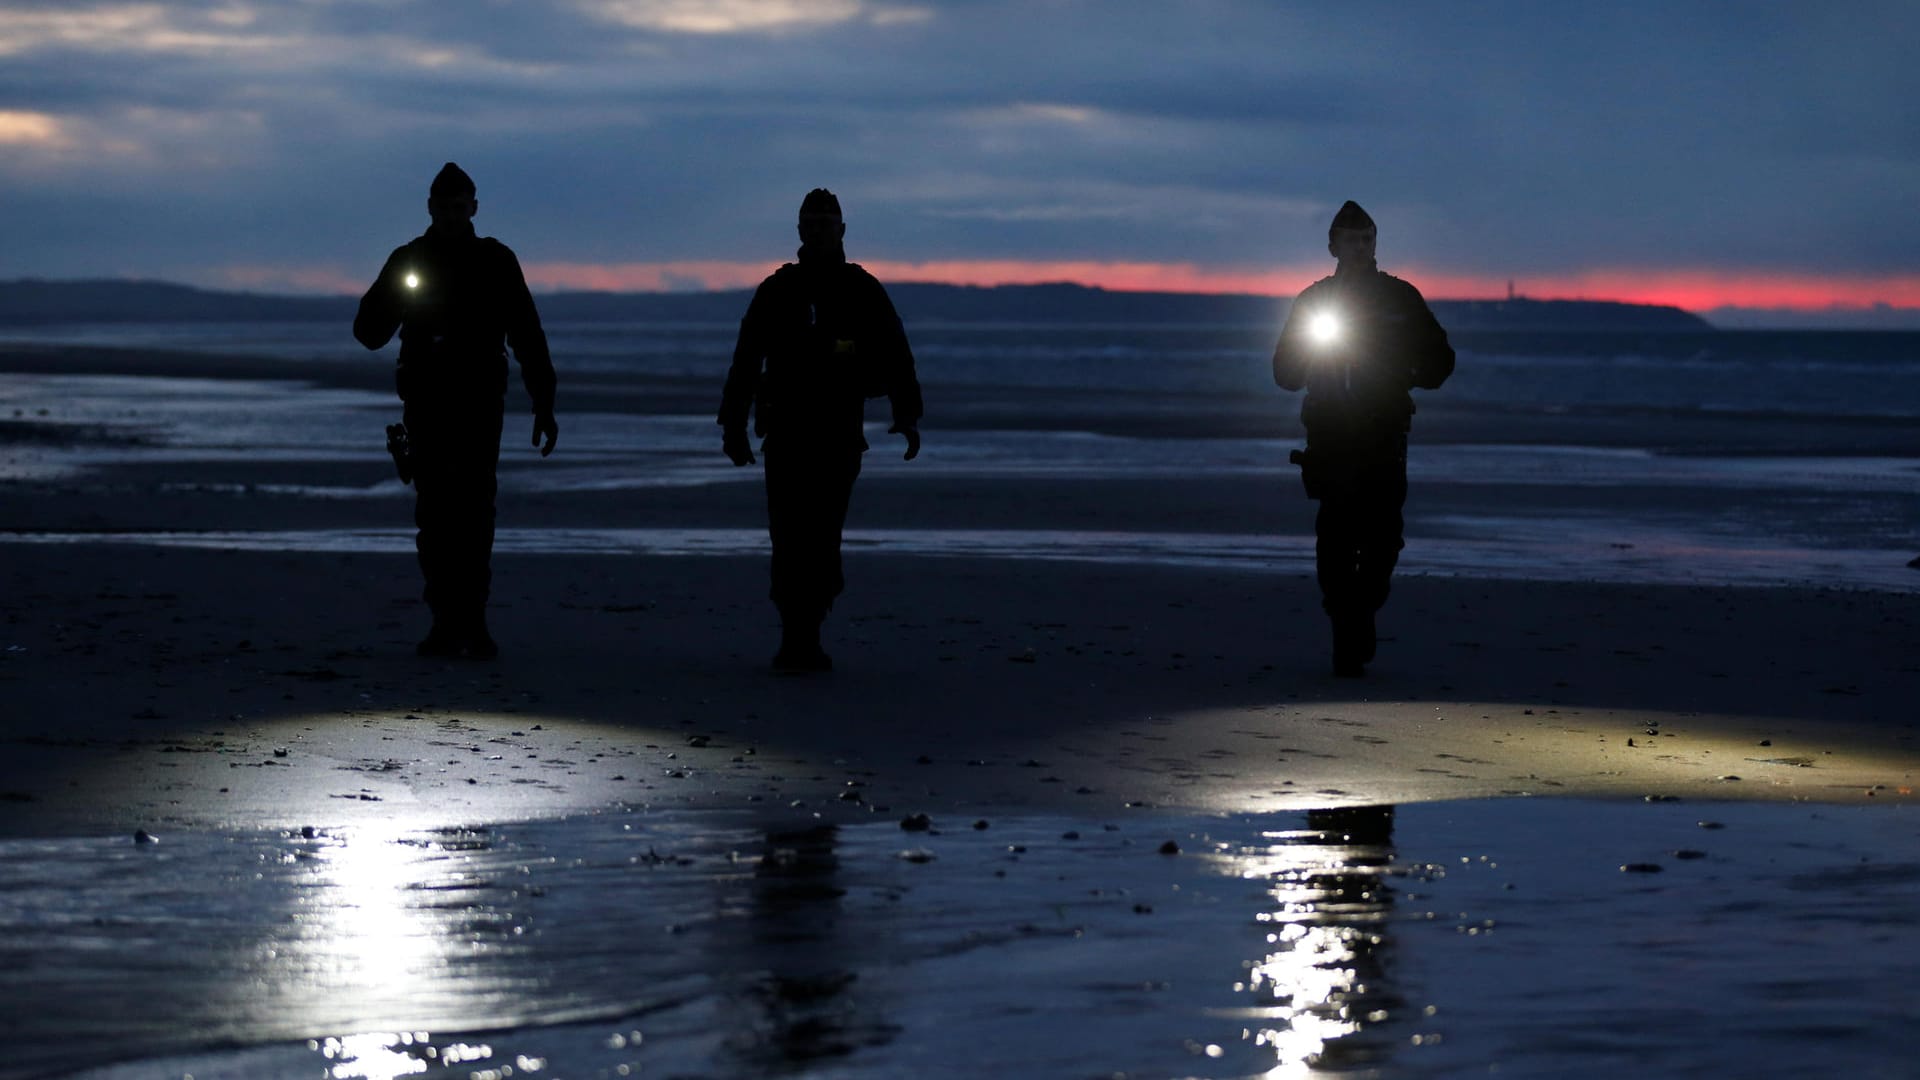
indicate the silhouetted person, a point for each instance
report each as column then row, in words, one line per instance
column 457, row 299
column 819, row 338
column 1358, row 342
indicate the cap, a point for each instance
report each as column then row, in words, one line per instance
column 1351, row 217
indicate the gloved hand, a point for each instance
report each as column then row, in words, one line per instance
column 545, row 424
column 735, row 445
column 913, row 438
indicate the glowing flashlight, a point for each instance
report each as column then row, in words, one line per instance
column 1324, row 327
column 413, row 281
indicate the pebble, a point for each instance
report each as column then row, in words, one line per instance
column 1169, row 848
column 1640, row 868
column 142, row 836
column 916, row 823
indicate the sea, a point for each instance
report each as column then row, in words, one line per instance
column 1724, row 457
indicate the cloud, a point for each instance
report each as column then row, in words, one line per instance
column 1489, row 141
column 721, row 17
column 134, row 28
column 30, row 129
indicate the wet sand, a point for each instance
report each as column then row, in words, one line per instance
column 156, row 687
column 206, row 694
column 1600, row 939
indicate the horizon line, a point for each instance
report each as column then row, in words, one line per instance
column 1693, row 290
column 1689, row 289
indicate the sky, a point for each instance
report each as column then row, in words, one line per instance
column 1755, row 159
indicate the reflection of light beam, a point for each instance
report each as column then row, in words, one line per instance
column 1309, row 983
column 374, row 943
column 380, row 1055
column 375, row 934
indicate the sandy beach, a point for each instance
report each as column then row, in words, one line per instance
column 172, row 688
column 163, row 679
column 156, row 686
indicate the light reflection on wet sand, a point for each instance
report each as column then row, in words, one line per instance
column 1429, row 939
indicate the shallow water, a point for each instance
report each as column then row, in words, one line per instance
column 1441, row 939
column 1820, row 521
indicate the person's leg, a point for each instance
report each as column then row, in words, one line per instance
column 792, row 587
column 456, row 448
column 1381, row 529
column 808, row 492
column 435, row 494
column 1336, row 562
column 1336, row 545
column 473, row 523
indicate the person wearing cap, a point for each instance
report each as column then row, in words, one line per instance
column 458, row 301
column 1358, row 343
column 819, row 338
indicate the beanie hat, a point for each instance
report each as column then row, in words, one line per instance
column 820, row 201
column 451, row 180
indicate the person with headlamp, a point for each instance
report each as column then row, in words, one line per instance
column 458, row 300
column 1358, row 343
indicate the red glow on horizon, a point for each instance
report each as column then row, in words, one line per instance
column 1691, row 290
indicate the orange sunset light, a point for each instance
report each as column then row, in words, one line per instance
column 1694, row 290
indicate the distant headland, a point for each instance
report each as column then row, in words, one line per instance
column 35, row 302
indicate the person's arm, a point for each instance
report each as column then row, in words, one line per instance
column 743, row 378
column 902, row 381
column 1429, row 354
column 380, row 309
column 528, row 340
column 1292, row 355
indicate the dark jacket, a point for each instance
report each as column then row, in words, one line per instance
column 819, row 338
column 468, row 302
column 1358, row 385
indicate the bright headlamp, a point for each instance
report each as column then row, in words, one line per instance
column 412, row 280
column 1324, row 327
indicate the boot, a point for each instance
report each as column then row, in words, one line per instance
column 441, row 641
column 479, row 644
column 800, row 652
column 1353, row 643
